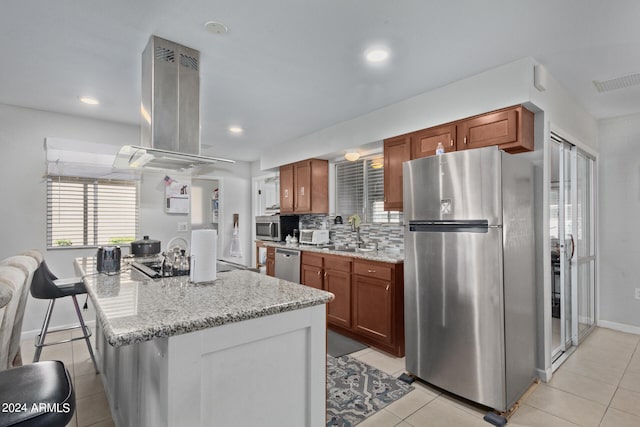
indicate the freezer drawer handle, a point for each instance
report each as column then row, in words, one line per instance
column 442, row 226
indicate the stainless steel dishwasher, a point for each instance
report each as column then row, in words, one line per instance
column 288, row 264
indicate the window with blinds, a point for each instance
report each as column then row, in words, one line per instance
column 89, row 212
column 360, row 190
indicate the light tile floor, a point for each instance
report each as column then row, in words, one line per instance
column 599, row 385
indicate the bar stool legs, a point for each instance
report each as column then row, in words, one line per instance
column 86, row 333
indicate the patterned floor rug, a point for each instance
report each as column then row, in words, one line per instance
column 357, row 390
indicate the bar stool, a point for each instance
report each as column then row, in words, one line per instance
column 47, row 385
column 45, row 285
column 42, row 395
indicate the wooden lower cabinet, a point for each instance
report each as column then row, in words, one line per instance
column 373, row 308
column 369, row 297
column 271, row 261
column 337, row 280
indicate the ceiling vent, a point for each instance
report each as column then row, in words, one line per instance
column 617, row 83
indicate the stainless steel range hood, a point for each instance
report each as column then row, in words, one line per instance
column 170, row 109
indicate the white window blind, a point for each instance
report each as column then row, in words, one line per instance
column 360, row 190
column 90, row 212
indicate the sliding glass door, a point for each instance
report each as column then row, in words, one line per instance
column 572, row 231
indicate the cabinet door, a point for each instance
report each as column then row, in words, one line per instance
column 271, row 261
column 373, row 308
column 495, row 128
column 396, row 151
column 311, row 275
column 286, row 189
column 424, row 142
column 338, row 310
column 302, row 185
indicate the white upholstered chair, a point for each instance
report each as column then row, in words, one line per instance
column 28, row 265
column 14, row 278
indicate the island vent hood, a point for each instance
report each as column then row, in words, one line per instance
column 170, row 109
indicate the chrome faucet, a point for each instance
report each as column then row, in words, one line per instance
column 359, row 241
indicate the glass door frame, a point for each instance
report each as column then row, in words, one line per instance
column 570, row 334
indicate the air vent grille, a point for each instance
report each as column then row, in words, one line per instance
column 617, row 83
column 165, row 54
column 189, row 62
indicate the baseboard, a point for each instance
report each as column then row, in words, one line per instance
column 26, row 335
column 544, row 374
column 630, row 329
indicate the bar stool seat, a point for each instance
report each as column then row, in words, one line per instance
column 45, row 285
column 41, row 394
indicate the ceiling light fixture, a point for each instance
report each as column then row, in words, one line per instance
column 235, row 129
column 377, row 55
column 352, row 156
column 216, row 27
column 89, row 100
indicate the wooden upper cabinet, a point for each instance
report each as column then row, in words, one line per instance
column 396, row 151
column 510, row 129
column 424, row 142
column 286, row 189
column 304, row 187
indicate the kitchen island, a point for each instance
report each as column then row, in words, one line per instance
column 247, row 349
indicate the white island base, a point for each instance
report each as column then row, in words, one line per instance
column 266, row 371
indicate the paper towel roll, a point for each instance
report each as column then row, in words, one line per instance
column 204, row 245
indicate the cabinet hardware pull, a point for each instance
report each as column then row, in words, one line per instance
column 451, row 144
column 302, row 191
column 371, row 271
column 318, row 272
column 387, row 289
column 325, row 274
column 465, row 140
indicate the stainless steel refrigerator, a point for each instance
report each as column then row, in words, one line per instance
column 469, row 274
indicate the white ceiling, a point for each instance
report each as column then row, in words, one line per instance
column 287, row 68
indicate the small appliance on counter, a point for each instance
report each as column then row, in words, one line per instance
column 108, row 259
column 276, row 228
column 314, row 237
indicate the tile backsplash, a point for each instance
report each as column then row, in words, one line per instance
column 388, row 236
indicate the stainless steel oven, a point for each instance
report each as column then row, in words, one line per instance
column 276, row 227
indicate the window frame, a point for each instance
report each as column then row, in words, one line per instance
column 91, row 211
column 367, row 215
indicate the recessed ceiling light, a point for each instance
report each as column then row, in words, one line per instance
column 216, row 27
column 377, row 55
column 89, row 100
column 235, row 129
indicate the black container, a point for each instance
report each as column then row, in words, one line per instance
column 145, row 247
column 108, row 259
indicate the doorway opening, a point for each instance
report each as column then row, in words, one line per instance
column 573, row 248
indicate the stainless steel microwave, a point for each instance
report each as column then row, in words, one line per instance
column 276, row 227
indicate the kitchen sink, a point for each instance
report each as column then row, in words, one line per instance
column 343, row 249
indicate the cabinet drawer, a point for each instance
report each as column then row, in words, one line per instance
column 378, row 270
column 311, row 259
column 337, row 263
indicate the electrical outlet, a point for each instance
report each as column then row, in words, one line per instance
column 182, row 226
column 637, row 293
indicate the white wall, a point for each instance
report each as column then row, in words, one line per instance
column 497, row 88
column 23, row 192
column 619, row 212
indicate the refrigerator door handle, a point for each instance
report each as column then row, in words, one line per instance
column 462, row 226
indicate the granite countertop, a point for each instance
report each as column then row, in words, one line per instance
column 132, row 307
column 394, row 257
